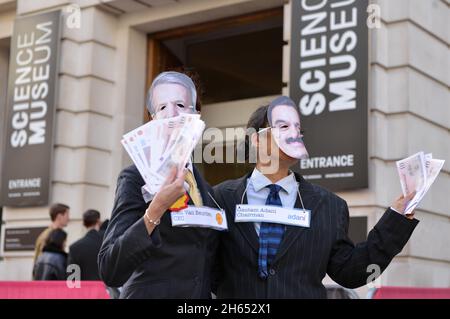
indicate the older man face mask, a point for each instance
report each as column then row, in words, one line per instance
column 168, row 99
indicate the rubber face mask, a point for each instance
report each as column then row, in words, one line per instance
column 171, row 94
column 284, row 119
column 171, row 100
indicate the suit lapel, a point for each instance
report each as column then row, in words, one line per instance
column 311, row 201
column 247, row 229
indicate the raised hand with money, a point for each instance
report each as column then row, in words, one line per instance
column 402, row 202
column 169, row 192
column 142, row 249
column 417, row 173
column 160, row 145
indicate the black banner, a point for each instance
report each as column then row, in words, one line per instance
column 329, row 80
column 21, row 239
column 32, row 80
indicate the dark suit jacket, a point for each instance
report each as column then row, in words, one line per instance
column 84, row 253
column 174, row 262
column 305, row 255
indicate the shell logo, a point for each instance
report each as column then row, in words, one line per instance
column 219, row 218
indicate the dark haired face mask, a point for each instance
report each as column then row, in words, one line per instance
column 286, row 130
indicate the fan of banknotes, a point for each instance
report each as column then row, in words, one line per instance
column 159, row 145
column 417, row 173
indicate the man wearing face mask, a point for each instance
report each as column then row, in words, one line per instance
column 285, row 234
column 141, row 251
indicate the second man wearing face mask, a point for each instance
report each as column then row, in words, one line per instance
column 285, row 234
column 141, row 250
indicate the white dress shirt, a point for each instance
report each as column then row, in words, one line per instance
column 257, row 191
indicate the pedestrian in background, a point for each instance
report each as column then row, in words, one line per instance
column 59, row 215
column 84, row 252
column 52, row 263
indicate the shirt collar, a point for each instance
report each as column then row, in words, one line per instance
column 259, row 181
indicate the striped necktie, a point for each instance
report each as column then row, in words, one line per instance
column 270, row 235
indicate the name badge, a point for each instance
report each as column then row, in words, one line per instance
column 193, row 216
column 272, row 214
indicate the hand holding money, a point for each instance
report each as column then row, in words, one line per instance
column 417, row 173
column 171, row 190
column 161, row 145
column 401, row 203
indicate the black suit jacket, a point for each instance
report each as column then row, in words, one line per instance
column 305, row 255
column 174, row 262
column 84, row 253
